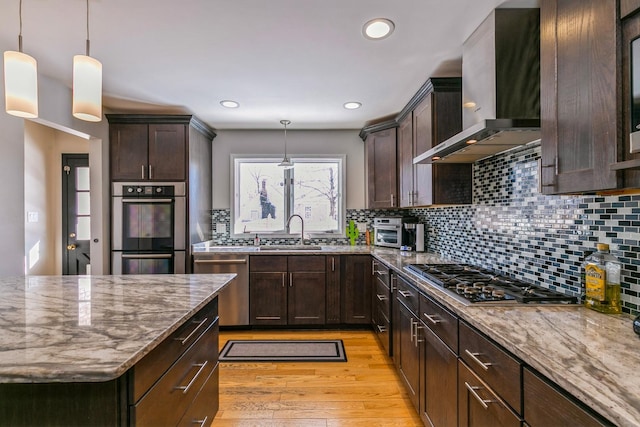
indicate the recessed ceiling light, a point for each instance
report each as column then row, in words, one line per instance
column 352, row 105
column 378, row 29
column 229, row 104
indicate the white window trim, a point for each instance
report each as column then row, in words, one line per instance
column 340, row 158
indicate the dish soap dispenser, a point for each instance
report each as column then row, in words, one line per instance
column 602, row 281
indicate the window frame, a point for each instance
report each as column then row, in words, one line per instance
column 236, row 159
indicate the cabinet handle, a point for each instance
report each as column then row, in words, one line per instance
column 474, row 357
column 373, row 268
column 284, row 276
column 417, row 326
column 142, row 166
column 405, row 294
column 431, row 318
column 409, row 194
column 290, row 280
column 200, row 324
column 394, row 281
column 381, row 297
column 475, row 394
column 150, row 177
column 185, row 388
column 333, row 263
column 381, row 328
column 411, row 331
column 201, row 423
column 393, row 203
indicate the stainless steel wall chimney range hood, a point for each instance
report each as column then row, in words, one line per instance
column 500, row 89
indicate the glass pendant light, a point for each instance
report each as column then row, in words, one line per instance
column 87, row 84
column 20, row 81
column 285, row 163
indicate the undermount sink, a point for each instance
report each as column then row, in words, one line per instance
column 290, row 248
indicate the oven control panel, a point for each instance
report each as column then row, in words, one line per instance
column 149, row 190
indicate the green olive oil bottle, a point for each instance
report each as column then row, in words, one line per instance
column 602, row 281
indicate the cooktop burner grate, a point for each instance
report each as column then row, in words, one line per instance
column 477, row 284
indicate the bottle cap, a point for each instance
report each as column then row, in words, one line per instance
column 602, row 247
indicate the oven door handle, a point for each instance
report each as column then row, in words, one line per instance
column 146, row 256
column 147, row 200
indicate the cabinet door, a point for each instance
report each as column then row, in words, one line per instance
column 409, row 353
column 333, row 289
column 578, row 92
column 268, row 298
column 423, row 141
column 167, row 152
column 478, row 406
column 546, row 406
column 381, row 169
column 306, row 298
column 356, row 289
column 439, row 387
column 128, row 146
column 405, row 161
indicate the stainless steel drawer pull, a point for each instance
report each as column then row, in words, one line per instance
column 474, row 357
column 150, row 176
column 201, row 423
column 432, row 318
column 142, row 176
column 381, row 328
column 221, row 261
column 475, row 394
column 185, row 388
column 200, row 324
column 405, row 294
column 333, row 263
column 381, row 297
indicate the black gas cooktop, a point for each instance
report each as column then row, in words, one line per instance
column 479, row 285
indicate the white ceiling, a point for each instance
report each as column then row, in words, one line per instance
column 280, row 59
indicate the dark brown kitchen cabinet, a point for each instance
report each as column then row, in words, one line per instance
column 407, row 338
column 151, row 152
column 438, row 364
column 479, row 405
column 381, row 305
column 579, row 91
column 287, row 290
column 381, row 179
column 546, row 406
column 436, row 115
column 333, row 289
column 356, row 289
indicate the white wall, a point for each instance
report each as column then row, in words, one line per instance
column 260, row 142
column 55, row 110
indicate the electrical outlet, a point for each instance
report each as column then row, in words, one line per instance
column 221, row 228
column 362, row 227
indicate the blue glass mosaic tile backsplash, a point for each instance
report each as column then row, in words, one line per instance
column 513, row 229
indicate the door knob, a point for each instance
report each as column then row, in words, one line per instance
column 71, row 247
column 72, row 235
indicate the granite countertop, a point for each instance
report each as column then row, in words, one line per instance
column 92, row 328
column 593, row 356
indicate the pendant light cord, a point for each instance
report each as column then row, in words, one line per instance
column 88, row 43
column 20, row 34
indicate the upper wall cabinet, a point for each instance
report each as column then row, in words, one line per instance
column 151, row 148
column 381, row 175
column 433, row 115
column 627, row 7
column 579, row 92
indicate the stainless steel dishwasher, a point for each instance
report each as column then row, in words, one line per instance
column 233, row 301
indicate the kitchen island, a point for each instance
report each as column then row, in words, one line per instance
column 98, row 350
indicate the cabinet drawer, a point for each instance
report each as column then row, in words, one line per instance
column 382, row 329
column 408, row 295
column 268, row 263
column 206, row 404
column 147, row 371
column 381, row 272
column 307, row 263
column 442, row 322
column 492, row 364
column 169, row 398
column 382, row 299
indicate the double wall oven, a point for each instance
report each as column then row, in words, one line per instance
column 148, row 228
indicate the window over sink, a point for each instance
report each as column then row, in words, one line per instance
column 265, row 195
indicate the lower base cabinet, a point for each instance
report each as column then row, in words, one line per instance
column 175, row 384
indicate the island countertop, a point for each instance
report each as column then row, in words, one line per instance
column 92, row 328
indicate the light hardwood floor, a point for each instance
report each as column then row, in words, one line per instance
column 364, row 391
